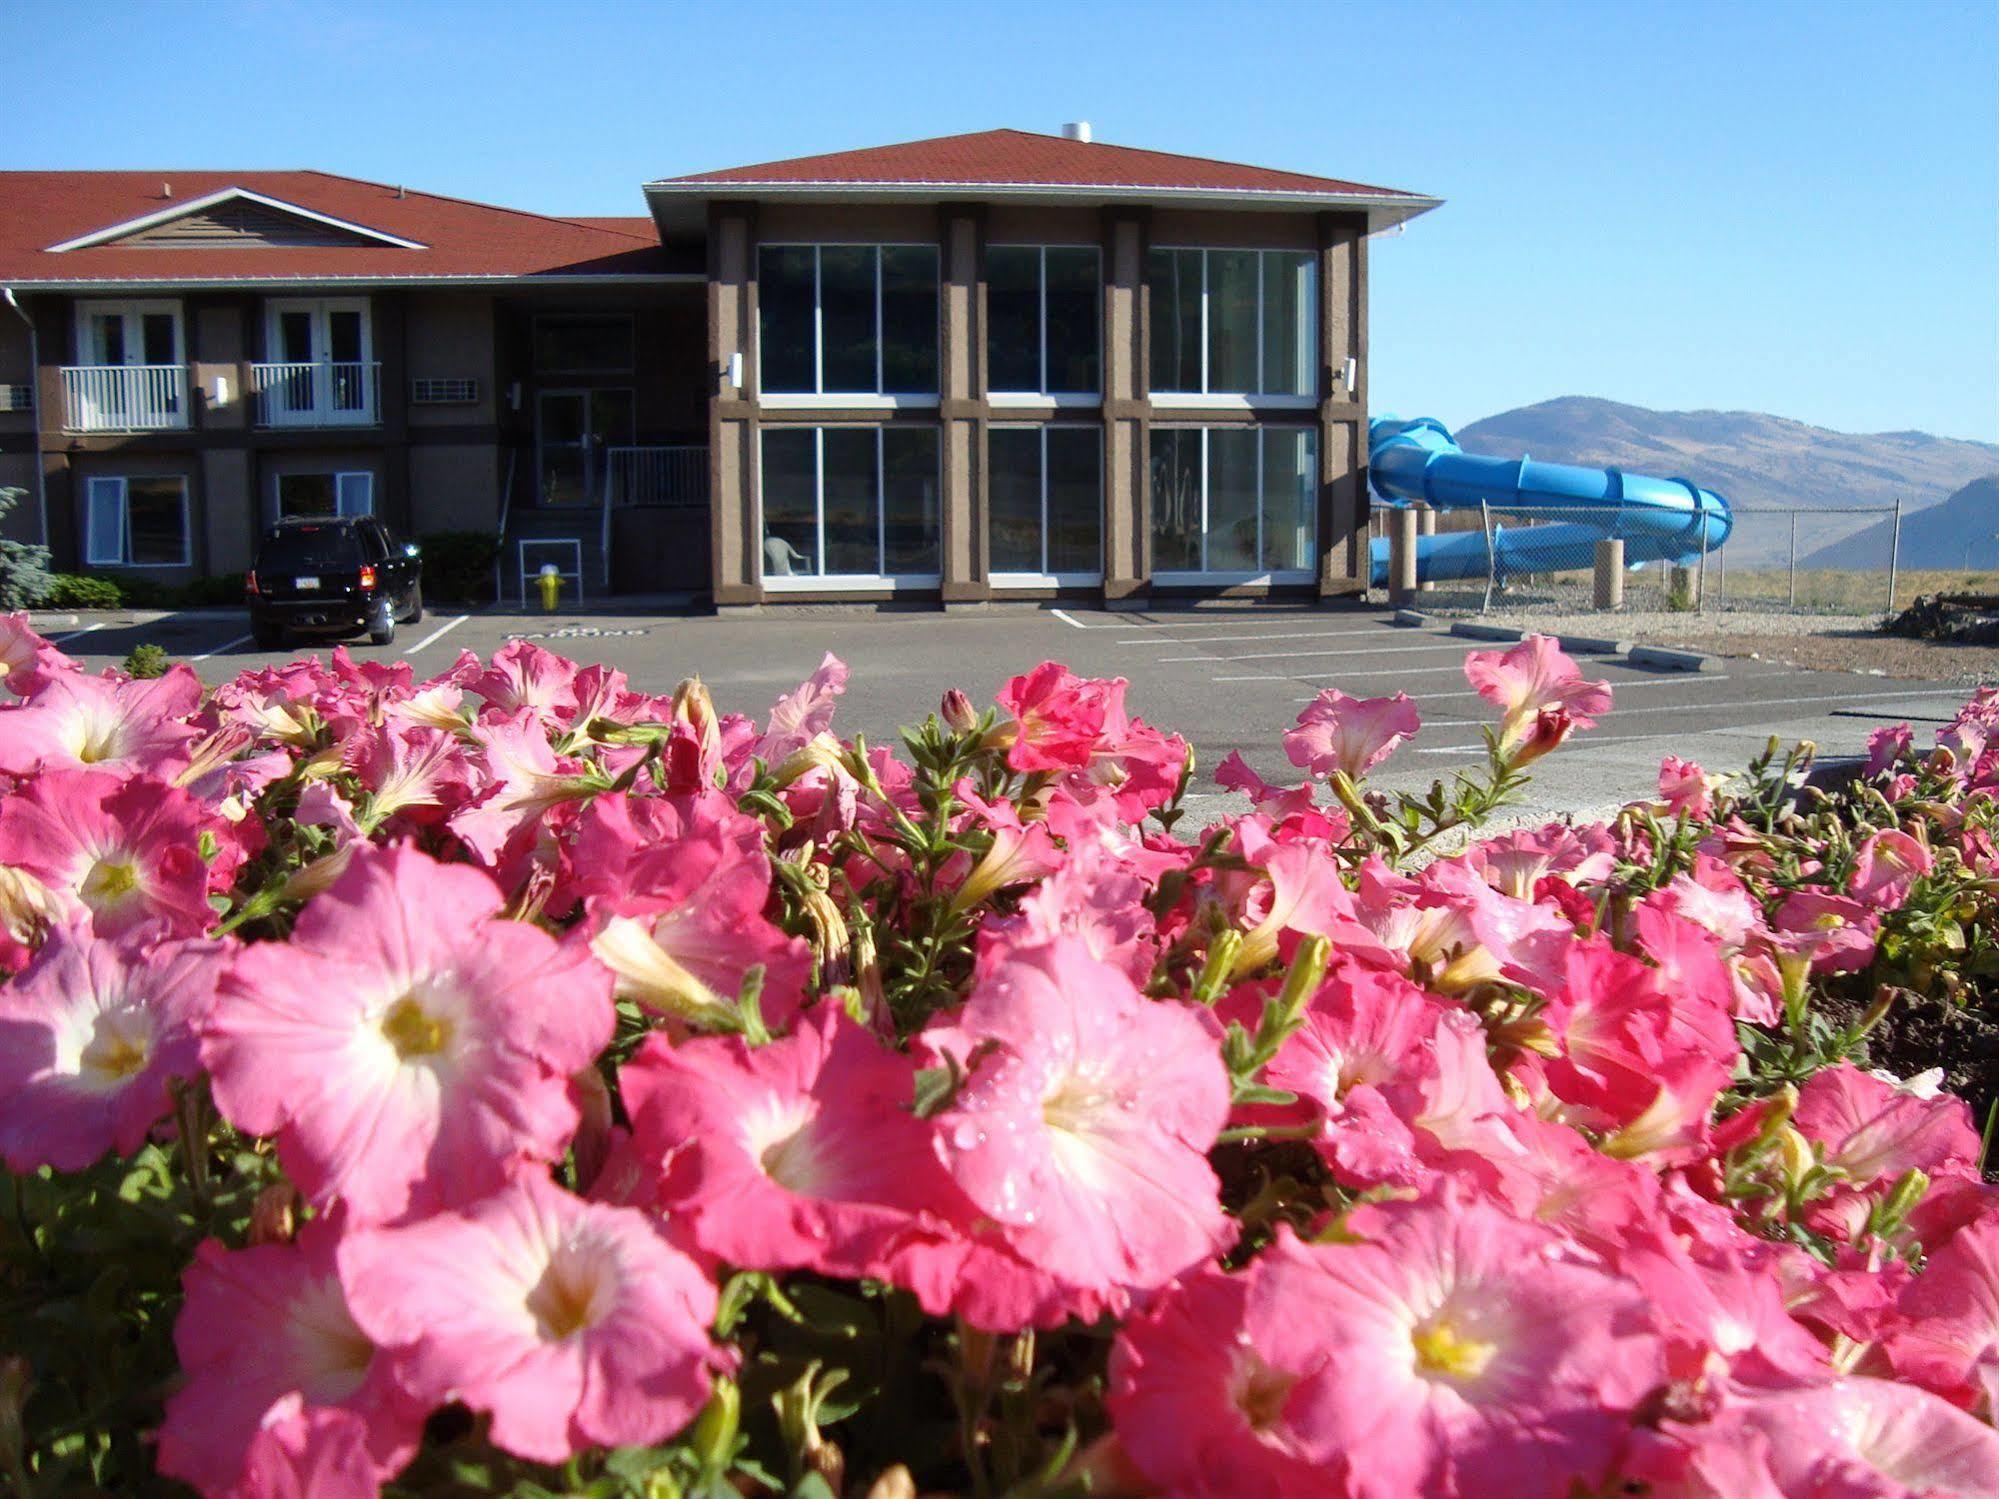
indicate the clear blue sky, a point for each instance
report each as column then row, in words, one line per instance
column 1777, row 207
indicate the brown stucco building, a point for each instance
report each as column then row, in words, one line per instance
column 1001, row 365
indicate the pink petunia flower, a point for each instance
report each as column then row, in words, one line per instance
column 90, row 1033
column 278, row 1375
column 1059, row 718
column 406, row 1047
column 1514, row 863
column 1946, row 1334
column 1348, row 734
column 802, row 1154
column 1540, row 692
column 1886, row 746
column 26, row 659
column 1463, row 1352
column 1886, row 867
column 799, row 717
column 74, row 722
column 1686, row 789
column 123, row 851
column 1874, row 1131
column 522, row 677
column 524, row 780
column 1084, row 1127
column 572, row 1324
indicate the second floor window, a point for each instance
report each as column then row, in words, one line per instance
column 1234, row 322
column 847, row 320
column 1042, row 320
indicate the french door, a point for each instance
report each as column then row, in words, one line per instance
column 132, row 369
column 322, row 362
column 574, row 433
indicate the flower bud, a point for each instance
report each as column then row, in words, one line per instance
column 958, row 713
column 896, row 1483
column 714, row 1435
column 319, row 874
column 693, row 706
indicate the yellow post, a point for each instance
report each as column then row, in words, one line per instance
column 550, row 584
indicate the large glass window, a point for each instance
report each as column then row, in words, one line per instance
column 302, row 496
column 847, row 502
column 136, row 522
column 1042, row 320
column 1234, row 502
column 858, row 320
column 1046, row 501
column 1233, row 322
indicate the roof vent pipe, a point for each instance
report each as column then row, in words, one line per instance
column 1076, row 130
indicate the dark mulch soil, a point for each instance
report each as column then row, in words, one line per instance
column 1919, row 1034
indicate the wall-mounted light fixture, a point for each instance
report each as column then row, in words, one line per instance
column 221, row 390
column 1352, row 369
column 514, row 396
column 732, row 371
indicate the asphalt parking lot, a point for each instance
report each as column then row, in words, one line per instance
column 1228, row 678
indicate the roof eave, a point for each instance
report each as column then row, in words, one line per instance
column 228, row 283
column 1383, row 210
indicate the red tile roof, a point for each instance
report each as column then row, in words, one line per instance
column 460, row 239
column 1021, row 158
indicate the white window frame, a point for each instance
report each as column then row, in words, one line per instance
column 322, row 310
column 1213, row 400
column 1178, row 577
column 132, row 312
column 340, row 477
column 94, row 553
column 820, row 398
column 1043, row 397
column 1044, row 578
column 825, row 582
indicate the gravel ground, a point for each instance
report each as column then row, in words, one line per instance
column 1823, row 642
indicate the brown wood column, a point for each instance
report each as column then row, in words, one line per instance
column 1343, row 505
column 962, row 411
column 736, row 552
column 1127, row 421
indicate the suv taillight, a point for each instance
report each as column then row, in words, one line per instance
column 367, row 577
column 250, row 583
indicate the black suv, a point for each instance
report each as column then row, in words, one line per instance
column 334, row 577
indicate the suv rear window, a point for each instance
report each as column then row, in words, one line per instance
column 296, row 547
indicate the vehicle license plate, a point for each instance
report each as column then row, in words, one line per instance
column 306, row 582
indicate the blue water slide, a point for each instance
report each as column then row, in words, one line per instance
column 1419, row 462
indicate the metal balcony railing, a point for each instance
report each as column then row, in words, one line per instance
column 316, row 394
column 124, row 397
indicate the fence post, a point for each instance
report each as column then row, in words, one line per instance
column 1894, row 554
column 1794, row 560
column 1402, row 556
column 1491, row 558
column 1609, row 581
column 1426, row 525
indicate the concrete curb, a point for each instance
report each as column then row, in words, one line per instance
column 1410, row 618
column 1593, row 645
column 1472, row 631
column 41, row 624
column 1664, row 658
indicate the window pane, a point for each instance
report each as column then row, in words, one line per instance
column 909, row 320
column 1232, row 499
column 1013, row 454
column 343, row 336
column 790, row 503
column 306, row 495
column 107, row 330
column 1173, row 281
column 156, row 332
column 1232, row 321
column 1013, row 317
column 851, row 490
column 909, row 493
column 1075, row 500
column 784, row 318
column 104, row 523
column 847, row 318
column 1290, row 498
column 156, row 522
column 1072, row 321
column 1176, row 500
column 356, row 494
column 295, row 337
column 1290, row 324
column 583, row 345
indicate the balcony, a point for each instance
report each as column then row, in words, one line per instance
column 316, row 394
column 125, row 397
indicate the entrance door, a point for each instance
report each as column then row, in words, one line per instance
column 574, row 431
column 132, row 352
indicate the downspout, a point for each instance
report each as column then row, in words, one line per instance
column 34, row 409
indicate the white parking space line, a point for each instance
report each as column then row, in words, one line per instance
column 227, row 645
column 1352, row 650
column 1345, row 676
column 77, row 634
column 1750, row 707
column 438, row 634
column 1289, row 618
column 1382, row 632
column 1688, row 681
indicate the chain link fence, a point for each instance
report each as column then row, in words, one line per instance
column 1829, row 560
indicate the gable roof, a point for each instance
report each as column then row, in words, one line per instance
column 1021, row 165
column 88, row 229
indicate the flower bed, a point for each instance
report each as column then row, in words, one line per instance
column 514, row 1083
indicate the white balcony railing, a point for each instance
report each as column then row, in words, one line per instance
column 316, row 394
column 124, row 397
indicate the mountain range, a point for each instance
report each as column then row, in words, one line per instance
column 1758, row 461
column 1961, row 532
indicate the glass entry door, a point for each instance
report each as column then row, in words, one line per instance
column 574, row 433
